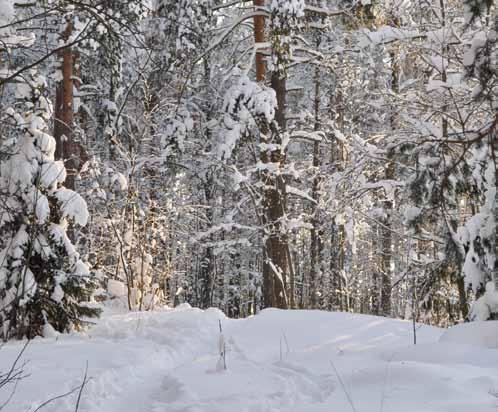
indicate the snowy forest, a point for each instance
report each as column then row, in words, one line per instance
column 224, row 157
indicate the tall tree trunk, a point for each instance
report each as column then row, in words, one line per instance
column 337, row 262
column 259, row 37
column 494, row 148
column 207, row 269
column 316, row 245
column 339, row 299
column 206, row 272
column 386, row 226
column 276, row 266
column 66, row 148
column 386, row 247
column 276, row 256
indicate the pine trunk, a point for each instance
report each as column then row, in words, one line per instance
column 276, row 267
column 67, row 149
column 276, row 256
column 259, row 37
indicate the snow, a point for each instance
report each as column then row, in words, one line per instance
column 73, row 206
column 57, row 295
column 385, row 34
column 119, row 180
column 81, row 269
column 478, row 42
column 285, row 9
column 299, row 193
column 59, row 235
column 478, row 333
column 244, row 102
column 487, row 304
column 412, row 213
column 277, row 360
column 42, row 209
column 44, row 141
column 116, row 287
column 52, row 173
column 6, row 14
column 29, row 286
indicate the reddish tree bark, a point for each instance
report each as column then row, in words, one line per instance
column 67, row 148
column 259, row 37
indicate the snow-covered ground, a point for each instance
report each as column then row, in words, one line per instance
column 301, row 361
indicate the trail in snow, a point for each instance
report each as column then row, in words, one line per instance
column 277, row 361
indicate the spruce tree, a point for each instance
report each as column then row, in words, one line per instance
column 43, row 281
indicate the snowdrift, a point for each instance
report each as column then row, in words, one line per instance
column 166, row 361
column 479, row 333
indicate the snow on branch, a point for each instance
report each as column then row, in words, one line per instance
column 300, row 193
column 323, row 11
column 311, row 136
column 245, row 104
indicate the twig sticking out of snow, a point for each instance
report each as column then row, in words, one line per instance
column 284, row 338
column 222, row 362
column 78, row 388
column 13, row 375
column 85, row 380
column 348, row 395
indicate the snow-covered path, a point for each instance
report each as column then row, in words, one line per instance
column 277, row 361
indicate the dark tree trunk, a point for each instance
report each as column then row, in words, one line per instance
column 339, row 299
column 386, row 250
column 316, row 245
column 494, row 148
column 259, row 37
column 276, row 243
column 206, row 275
column 276, row 256
column 337, row 261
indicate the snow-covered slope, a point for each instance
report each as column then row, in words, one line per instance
column 276, row 361
column 478, row 333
